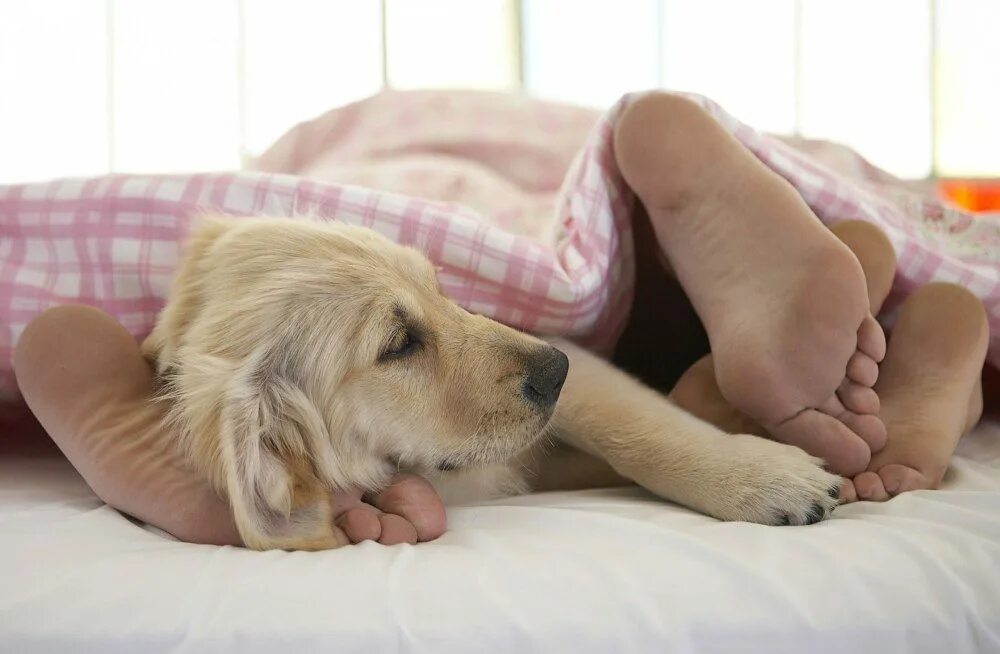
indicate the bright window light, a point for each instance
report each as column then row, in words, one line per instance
column 741, row 54
column 304, row 57
column 175, row 85
column 968, row 88
column 866, row 84
column 590, row 52
column 53, row 89
column 452, row 43
column 95, row 86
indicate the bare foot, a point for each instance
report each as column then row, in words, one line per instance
column 86, row 382
column 930, row 390
column 698, row 392
column 783, row 301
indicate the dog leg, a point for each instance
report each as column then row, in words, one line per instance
column 644, row 437
column 564, row 467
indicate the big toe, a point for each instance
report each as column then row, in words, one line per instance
column 898, row 478
column 868, row 426
column 819, row 434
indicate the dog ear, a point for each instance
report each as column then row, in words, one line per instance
column 277, row 498
column 160, row 347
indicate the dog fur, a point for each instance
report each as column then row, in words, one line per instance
column 300, row 356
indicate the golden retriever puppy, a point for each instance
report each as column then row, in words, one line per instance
column 300, row 356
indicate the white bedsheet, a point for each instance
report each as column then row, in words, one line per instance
column 593, row 571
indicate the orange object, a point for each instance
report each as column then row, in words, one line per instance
column 972, row 194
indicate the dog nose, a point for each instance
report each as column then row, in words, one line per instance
column 545, row 373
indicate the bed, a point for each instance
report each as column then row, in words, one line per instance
column 612, row 570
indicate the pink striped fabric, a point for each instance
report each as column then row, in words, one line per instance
column 522, row 231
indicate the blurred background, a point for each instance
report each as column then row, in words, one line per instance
column 95, row 86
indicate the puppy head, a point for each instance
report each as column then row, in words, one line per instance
column 413, row 377
column 433, row 385
column 330, row 350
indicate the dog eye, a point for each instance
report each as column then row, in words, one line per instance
column 403, row 343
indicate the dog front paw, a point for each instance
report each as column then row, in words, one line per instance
column 774, row 484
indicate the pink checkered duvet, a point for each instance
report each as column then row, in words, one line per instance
column 519, row 202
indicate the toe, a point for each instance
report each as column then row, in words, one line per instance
column 858, row 398
column 871, row 339
column 360, row 523
column 897, row 478
column 869, row 428
column 396, row 530
column 862, row 369
column 870, row 488
column 848, row 493
column 415, row 500
column 826, row 437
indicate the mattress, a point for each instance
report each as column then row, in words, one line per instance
column 611, row 570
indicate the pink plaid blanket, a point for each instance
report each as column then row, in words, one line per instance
column 517, row 201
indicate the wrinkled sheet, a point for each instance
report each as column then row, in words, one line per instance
column 611, row 570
